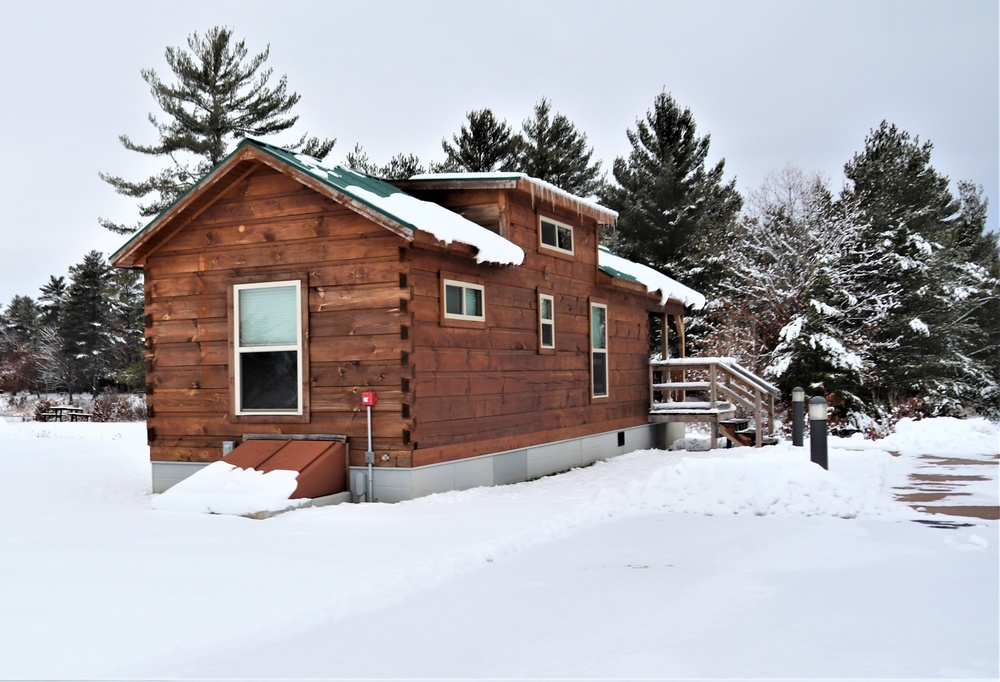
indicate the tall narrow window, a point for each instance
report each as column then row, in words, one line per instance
column 268, row 347
column 554, row 235
column 463, row 301
column 546, row 321
column 599, row 350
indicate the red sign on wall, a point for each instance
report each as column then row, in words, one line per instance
column 368, row 398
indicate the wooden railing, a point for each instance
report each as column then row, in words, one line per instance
column 723, row 384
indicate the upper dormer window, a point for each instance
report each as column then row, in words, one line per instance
column 555, row 235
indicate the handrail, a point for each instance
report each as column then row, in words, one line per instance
column 726, row 379
column 726, row 364
column 750, row 377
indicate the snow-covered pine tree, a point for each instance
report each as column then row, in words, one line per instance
column 555, row 151
column 220, row 95
column 964, row 298
column 790, row 305
column 124, row 296
column 768, row 272
column 934, row 346
column 675, row 213
column 484, row 145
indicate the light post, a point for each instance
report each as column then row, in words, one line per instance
column 817, row 431
column 798, row 415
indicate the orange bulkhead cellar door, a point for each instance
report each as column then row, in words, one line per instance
column 322, row 464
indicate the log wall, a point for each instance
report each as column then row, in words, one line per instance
column 359, row 319
column 478, row 391
column 374, row 302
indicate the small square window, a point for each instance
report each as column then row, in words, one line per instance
column 463, row 301
column 554, row 235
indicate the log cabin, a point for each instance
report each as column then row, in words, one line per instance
column 496, row 339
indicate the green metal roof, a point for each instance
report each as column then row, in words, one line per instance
column 608, row 270
column 338, row 177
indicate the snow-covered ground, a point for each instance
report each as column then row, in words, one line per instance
column 743, row 564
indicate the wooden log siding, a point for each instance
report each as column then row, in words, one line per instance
column 358, row 319
column 478, row 391
column 374, row 306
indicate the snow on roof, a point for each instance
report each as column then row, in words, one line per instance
column 652, row 279
column 545, row 190
column 444, row 225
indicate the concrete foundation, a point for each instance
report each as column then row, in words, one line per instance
column 501, row 468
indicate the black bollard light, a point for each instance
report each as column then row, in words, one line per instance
column 798, row 415
column 817, row 431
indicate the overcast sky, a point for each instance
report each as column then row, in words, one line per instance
column 774, row 82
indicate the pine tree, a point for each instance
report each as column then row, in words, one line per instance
column 84, row 327
column 937, row 345
column 124, row 297
column 20, row 320
column 673, row 210
column 220, row 95
column 484, row 145
column 53, row 295
column 400, row 167
column 555, row 151
column 19, row 358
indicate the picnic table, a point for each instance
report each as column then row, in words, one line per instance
column 62, row 413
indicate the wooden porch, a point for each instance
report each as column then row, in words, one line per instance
column 718, row 391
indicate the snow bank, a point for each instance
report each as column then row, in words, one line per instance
column 944, row 436
column 768, row 482
column 585, row 574
column 221, row 488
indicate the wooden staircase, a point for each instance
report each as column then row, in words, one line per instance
column 710, row 390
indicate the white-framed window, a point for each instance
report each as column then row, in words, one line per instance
column 464, row 301
column 598, row 350
column 546, row 321
column 555, row 235
column 267, row 348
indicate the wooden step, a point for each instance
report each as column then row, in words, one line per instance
column 746, row 437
